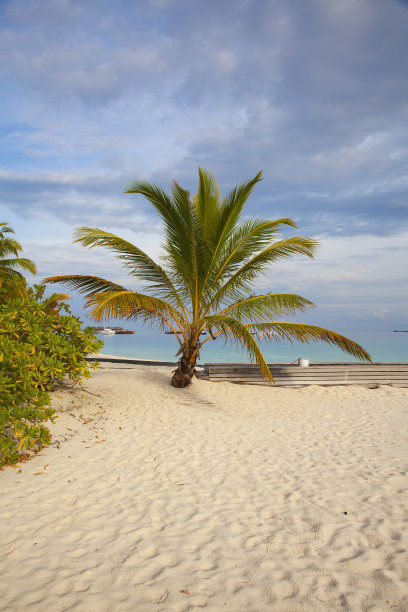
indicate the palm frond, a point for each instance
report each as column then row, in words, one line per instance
column 130, row 305
column 86, row 285
column 227, row 218
column 9, row 273
column 19, row 262
column 183, row 253
column 309, row 333
column 248, row 238
column 174, row 222
column 9, row 246
column 157, row 197
column 234, row 331
column 9, row 250
column 258, row 308
column 241, row 281
column 232, row 208
column 207, row 201
column 137, row 262
column 5, row 229
column 185, row 247
column 181, row 202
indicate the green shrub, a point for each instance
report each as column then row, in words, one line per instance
column 41, row 345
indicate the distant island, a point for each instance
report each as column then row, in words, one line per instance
column 400, row 331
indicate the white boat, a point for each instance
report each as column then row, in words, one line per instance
column 107, row 331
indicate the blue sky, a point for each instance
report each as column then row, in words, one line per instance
column 98, row 93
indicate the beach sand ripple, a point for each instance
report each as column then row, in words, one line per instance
column 219, row 496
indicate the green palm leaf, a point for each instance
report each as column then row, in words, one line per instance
column 246, row 240
column 206, row 202
column 86, row 285
column 174, row 222
column 19, row 262
column 9, row 246
column 233, row 330
column 242, row 280
column 258, row 308
column 309, row 333
column 130, row 305
column 10, row 262
column 138, row 263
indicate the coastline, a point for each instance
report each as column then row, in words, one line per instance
column 218, row 496
column 102, row 358
column 151, row 345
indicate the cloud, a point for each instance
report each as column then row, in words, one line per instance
column 342, row 280
column 348, row 270
column 96, row 94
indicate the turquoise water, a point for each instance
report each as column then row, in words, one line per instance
column 151, row 344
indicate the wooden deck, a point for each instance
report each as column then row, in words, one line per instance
column 326, row 374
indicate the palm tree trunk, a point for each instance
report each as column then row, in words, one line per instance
column 185, row 372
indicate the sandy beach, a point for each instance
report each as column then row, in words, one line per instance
column 216, row 497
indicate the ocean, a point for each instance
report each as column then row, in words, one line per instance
column 148, row 343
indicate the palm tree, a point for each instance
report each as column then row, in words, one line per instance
column 211, row 261
column 9, row 259
column 12, row 282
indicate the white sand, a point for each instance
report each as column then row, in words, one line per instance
column 219, row 496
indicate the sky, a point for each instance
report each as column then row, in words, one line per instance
column 315, row 94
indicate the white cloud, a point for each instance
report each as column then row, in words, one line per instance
column 95, row 95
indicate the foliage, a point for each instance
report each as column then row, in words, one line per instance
column 9, row 259
column 211, row 262
column 41, row 344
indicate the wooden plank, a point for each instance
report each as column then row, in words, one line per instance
column 304, row 384
column 327, row 365
column 317, row 383
column 346, row 373
column 350, row 364
column 314, row 363
column 313, row 382
column 311, row 369
column 314, row 375
column 317, row 368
